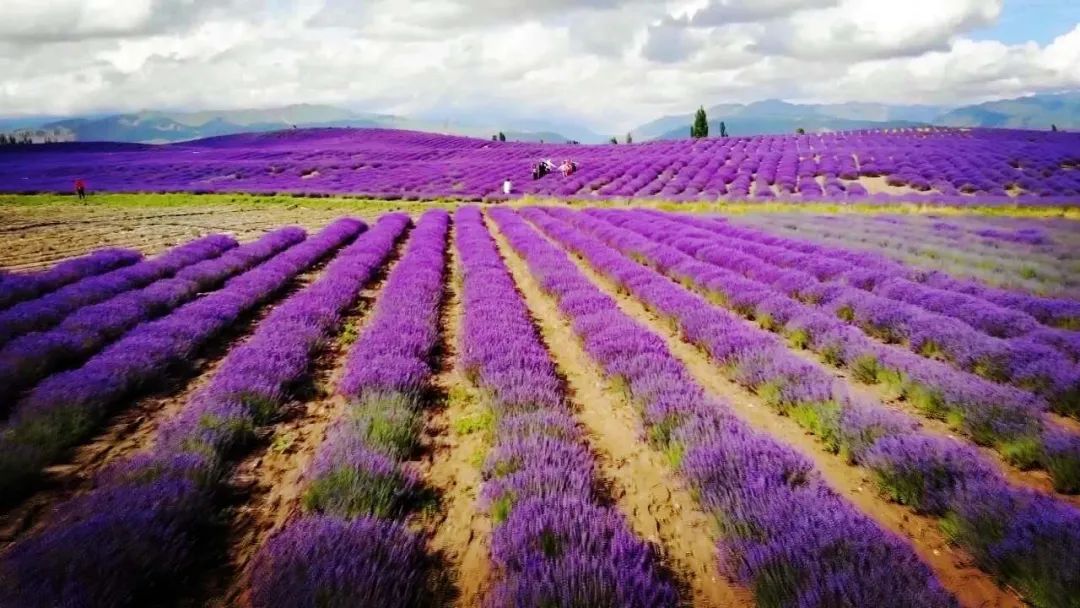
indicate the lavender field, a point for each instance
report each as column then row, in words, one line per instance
column 935, row 166
column 520, row 405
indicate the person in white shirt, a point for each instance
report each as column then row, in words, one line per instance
column 507, row 186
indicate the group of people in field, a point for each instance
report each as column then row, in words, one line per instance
column 568, row 167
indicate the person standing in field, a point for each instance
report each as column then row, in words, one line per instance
column 80, row 188
column 507, row 186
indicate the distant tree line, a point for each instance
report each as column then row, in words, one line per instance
column 16, row 140
column 22, row 137
column 700, row 128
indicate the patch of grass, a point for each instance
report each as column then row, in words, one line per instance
column 475, row 423
column 351, row 493
column 389, row 423
column 282, row 442
column 478, row 457
column 1023, row 452
column 349, row 334
column 821, row 419
column 500, row 509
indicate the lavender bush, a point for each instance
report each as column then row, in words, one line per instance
column 929, row 166
column 783, row 532
column 15, row 288
column 929, row 474
column 31, row 357
column 358, row 483
column 67, row 407
column 142, row 518
column 552, row 545
column 1010, row 420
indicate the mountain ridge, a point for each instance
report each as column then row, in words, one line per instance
column 768, row 116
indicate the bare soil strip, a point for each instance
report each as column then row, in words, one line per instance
column 452, row 452
column 131, row 430
column 953, row 567
column 1035, row 479
column 265, row 487
column 642, row 484
column 36, row 237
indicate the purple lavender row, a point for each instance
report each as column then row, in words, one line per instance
column 43, row 313
column 137, row 529
column 66, row 408
column 1005, row 528
column 29, row 358
column 783, row 533
column 552, row 544
column 1010, row 420
column 1024, row 362
column 997, row 311
column 15, row 288
column 351, row 547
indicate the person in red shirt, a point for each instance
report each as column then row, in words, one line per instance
column 80, row 188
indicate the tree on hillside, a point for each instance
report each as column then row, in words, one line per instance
column 723, row 129
column 800, row 131
column 502, row 136
column 614, row 140
column 494, row 138
column 701, row 124
column 1053, row 127
column 629, row 138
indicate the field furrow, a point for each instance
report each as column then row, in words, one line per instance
column 657, row 506
column 718, row 454
column 554, row 538
column 175, row 480
column 1011, row 421
column 904, row 461
column 454, row 442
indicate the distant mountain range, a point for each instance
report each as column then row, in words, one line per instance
column 758, row 118
column 778, row 117
column 163, row 127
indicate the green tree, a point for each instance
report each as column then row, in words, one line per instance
column 629, row 138
column 502, row 136
column 801, row 131
column 614, row 140
column 701, row 124
column 1053, row 127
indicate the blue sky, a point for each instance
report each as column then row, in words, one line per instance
column 1032, row 20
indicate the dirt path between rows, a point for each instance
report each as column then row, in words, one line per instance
column 658, row 507
column 1038, row 480
column 1035, row 479
column 265, row 488
column 132, row 428
column 953, row 567
column 36, row 237
column 458, row 530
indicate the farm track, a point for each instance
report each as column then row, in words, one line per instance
column 953, row 567
column 131, row 429
column 264, row 487
column 658, row 507
column 1034, row 479
column 458, row 530
column 32, row 243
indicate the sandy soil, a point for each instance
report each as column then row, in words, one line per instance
column 37, row 236
column 953, row 567
column 459, row 532
column 265, row 488
column 132, row 429
column 658, row 507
